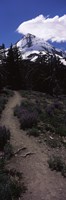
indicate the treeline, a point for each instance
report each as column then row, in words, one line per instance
column 47, row 74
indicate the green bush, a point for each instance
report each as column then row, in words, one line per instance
column 16, row 110
column 50, row 128
column 34, row 132
column 2, row 162
column 8, row 92
column 3, row 101
column 61, row 130
column 56, row 163
column 53, row 143
column 10, row 185
column 9, row 188
column 4, row 137
column 8, row 151
column 4, row 98
column 64, row 171
column 27, row 114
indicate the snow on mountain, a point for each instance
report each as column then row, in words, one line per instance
column 31, row 47
column 30, row 44
column 61, row 59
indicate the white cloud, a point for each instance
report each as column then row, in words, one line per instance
column 53, row 29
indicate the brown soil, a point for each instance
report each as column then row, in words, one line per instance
column 41, row 182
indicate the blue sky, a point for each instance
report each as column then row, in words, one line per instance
column 14, row 12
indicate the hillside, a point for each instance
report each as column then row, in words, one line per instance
column 32, row 153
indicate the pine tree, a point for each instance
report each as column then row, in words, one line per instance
column 13, row 67
column 2, row 54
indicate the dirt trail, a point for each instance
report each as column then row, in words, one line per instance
column 42, row 184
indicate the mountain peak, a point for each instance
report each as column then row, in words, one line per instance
column 30, row 42
column 29, row 37
column 32, row 46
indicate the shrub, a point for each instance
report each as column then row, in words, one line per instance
column 8, row 151
column 27, row 114
column 50, row 110
column 4, row 97
column 8, row 92
column 53, row 143
column 56, row 163
column 50, row 128
column 4, row 136
column 16, row 111
column 2, row 162
column 28, row 119
column 3, row 101
column 11, row 185
column 61, row 130
column 58, row 105
column 34, row 132
column 64, row 171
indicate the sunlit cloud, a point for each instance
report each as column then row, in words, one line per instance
column 53, row 29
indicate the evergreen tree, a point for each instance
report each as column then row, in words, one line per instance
column 13, row 67
column 2, row 54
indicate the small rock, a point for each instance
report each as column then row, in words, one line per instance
column 64, row 139
column 51, row 137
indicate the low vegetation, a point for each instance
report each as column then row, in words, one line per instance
column 43, row 114
column 8, row 151
column 10, row 183
column 27, row 114
column 4, row 137
column 7, row 92
column 56, row 163
column 3, row 101
column 34, row 132
column 5, row 146
column 4, row 95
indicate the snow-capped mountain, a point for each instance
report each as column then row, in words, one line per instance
column 31, row 47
